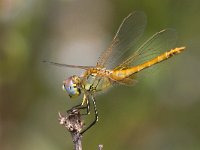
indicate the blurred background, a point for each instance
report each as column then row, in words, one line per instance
column 161, row 112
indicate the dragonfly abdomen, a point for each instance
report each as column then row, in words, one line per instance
column 121, row 74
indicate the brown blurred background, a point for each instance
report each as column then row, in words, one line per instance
column 162, row 112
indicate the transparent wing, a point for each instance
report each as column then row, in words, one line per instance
column 69, row 66
column 154, row 46
column 130, row 30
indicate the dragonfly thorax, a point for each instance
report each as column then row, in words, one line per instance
column 71, row 85
column 95, row 79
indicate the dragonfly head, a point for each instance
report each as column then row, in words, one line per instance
column 71, row 85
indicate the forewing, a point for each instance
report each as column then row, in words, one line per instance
column 69, row 66
column 154, row 46
column 130, row 30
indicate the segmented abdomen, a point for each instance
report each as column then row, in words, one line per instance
column 122, row 74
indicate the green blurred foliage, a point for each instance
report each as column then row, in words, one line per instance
column 160, row 112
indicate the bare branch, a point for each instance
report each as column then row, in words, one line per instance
column 74, row 124
column 100, row 147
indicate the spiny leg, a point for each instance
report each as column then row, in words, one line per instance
column 80, row 106
column 87, row 102
column 88, row 106
column 96, row 115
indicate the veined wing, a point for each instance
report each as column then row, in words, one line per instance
column 130, row 30
column 154, row 46
column 69, row 66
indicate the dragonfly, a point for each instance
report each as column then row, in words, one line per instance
column 121, row 62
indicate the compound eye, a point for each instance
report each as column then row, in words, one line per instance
column 71, row 88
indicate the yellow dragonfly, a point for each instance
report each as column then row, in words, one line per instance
column 117, row 65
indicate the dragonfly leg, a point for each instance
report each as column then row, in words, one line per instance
column 96, row 115
column 80, row 106
column 87, row 107
column 75, row 107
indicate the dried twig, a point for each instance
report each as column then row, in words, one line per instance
column 74, row 124
column 100, row 147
